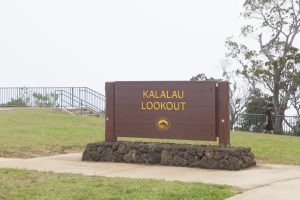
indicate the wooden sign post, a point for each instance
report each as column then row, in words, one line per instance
column 189, row 110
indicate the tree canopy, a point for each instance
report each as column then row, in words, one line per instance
column 273, row 64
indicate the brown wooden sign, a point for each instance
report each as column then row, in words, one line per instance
column 190, row 110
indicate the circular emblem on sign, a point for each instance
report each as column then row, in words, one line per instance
column 163, row 123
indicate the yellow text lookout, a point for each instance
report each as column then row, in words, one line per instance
column 150, row 95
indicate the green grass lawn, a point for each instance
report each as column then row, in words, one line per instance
column 270, row 148
column 34, row 132
column 32, row 185
column 38, row 132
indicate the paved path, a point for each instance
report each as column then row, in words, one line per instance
column 264, row 181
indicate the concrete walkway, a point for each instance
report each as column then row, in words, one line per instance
column 264, row 181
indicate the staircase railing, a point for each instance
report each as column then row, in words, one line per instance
column 92, row 97
column 67, row 100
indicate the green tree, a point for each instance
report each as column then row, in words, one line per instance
column 274, row 63
column 257, row 102
column 202, row 77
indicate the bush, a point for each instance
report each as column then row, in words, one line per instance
column 48, row 100
column 16, row 102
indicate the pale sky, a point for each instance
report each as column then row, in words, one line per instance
column 86, row 43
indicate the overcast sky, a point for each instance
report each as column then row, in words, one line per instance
column 86, row 43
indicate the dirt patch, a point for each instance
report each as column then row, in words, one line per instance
column 34, row 153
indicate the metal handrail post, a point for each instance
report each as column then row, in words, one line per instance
column 81, row 106
column 72, row 97
column 61, row 99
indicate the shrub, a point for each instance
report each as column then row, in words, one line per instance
column 16, row 102
column 48, row 100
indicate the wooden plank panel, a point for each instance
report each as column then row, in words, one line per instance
column 171, row 110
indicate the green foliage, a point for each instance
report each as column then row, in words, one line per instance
column 48, row 100
column 203, row 77
column 16, row 102
column 258, row 102
column 22, row 184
